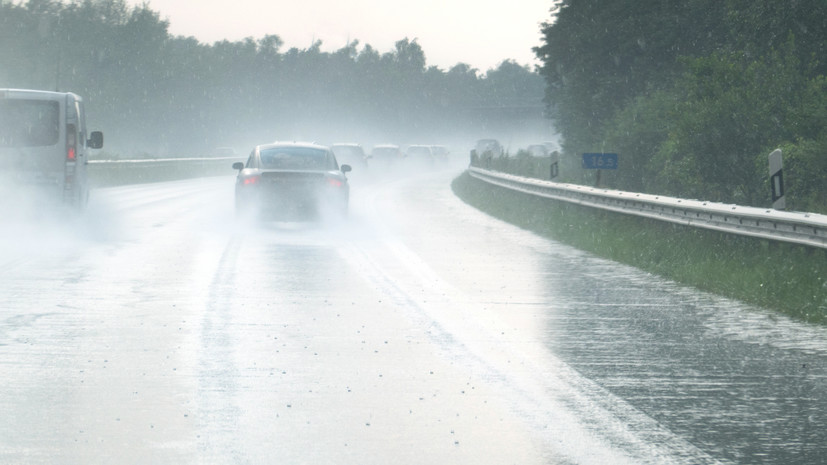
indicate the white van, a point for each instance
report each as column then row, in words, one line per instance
column 44, row 145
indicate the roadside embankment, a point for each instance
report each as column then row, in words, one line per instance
column 786, row 278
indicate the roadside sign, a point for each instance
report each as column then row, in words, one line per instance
column 599, row 161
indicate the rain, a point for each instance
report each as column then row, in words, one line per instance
column 379, row 303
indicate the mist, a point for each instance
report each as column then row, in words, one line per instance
column 158, row 95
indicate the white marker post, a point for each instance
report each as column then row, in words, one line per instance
column 777, row 180
column 554, row 170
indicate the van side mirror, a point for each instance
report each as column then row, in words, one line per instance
column 345, row 168
column 95, row 140
column 238, row 166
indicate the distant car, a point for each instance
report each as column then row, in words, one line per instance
column 420, row 155
column 440, row 152
column 350, row 153
column 485, row 150
column 291, row 181
column 44, row 146
column 537, row 150
column 386, row 155
column 551, row 146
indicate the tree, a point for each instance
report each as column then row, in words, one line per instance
column 694, row 94
column 158, row 94
column 598, row 56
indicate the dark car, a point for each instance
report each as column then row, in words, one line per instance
column 291, row 181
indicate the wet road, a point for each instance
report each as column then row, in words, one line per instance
column 159, row 330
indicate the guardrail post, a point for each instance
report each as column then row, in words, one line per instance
column 554, row 169
column 777, row 180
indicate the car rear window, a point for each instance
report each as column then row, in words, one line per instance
column 385, row 152
column 347, row 151
column 297, row 158
column 29, row 123
column 419, row 151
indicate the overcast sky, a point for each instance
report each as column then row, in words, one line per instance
column 479, row 33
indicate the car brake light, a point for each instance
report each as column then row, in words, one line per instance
column 334, row 182
column 248, row 181
column 71, row 142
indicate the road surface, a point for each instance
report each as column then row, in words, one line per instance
column 157, row 329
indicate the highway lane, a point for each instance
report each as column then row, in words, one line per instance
column 157, row 329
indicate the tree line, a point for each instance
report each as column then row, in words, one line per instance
column 693, row 94
column 151, row 92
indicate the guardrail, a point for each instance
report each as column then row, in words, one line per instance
column 162, row 160
column 103, row 173
column 794, row 227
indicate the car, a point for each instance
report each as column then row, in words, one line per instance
column 44, row 145
column 350, row 153
column 537, row 150
column 291, row 181
column 485, row 150
column 440, row 152
column 386, row 155
column 551, row 146
column 420, row 155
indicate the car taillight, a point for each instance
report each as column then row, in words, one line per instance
column 251, row 180
column 335, row 182
column 71, row 142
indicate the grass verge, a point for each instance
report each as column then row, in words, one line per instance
column 786, row 278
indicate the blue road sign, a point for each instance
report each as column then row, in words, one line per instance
column 599, row 161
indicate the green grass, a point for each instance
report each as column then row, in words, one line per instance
column 786, row 278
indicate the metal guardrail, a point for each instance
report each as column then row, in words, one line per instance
column 162, row 160
column 794, row 227
column 106, row 173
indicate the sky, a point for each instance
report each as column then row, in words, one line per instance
column 479, row 33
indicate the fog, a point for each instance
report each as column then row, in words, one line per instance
column 158, row 95
column 34, row 222
column 154, row 324
column 332, row 123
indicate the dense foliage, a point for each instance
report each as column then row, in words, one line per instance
column 168, row 95
column 693, row 94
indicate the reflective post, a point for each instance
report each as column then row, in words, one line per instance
column 777, row 180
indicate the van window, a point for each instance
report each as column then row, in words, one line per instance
column 29, row 123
